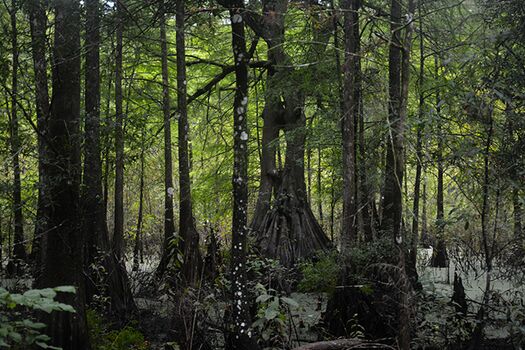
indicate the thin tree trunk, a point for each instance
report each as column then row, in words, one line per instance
column 405, row 290
column 518, row 213
column 188, row 231
column 118, row 233
column 19, row 250
column 440, row 257
column 319, row 187
column 94, row 220
column 419, row 155
column 350, row 107
column 477, row 335
column 169, row 219
column 63, row 258
column 241, row 337
column 138, row 236
column 38, row 25
column 392, row 192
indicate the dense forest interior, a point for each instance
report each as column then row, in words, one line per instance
column 262, row 174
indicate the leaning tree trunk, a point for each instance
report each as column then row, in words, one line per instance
column 188, row 232
column 93, row 209
column 19, row 250
column 169, row 219
column 63, row 256
column 38, row 25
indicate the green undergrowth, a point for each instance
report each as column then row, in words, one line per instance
column 104, row 338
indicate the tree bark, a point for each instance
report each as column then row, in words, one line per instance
column 241, row 337
column 189, row 234
column 440, row 256
column 350, row 109
column 19, row 250
column 63, row 257
column 137, row 248
column 169, row 219
column 118, row 234
column 419, row 155
column 392, row 192
column 38, row 25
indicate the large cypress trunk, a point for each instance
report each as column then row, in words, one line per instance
column 63, row 257
column 93, row 210
column 284, row 225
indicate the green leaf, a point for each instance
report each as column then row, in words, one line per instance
column 65, row 289
column 290, row 301
column 263, row 298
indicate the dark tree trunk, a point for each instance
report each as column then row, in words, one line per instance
column 412, row 269
column 350, row 110
column 392, row 192
column 19, row 250
column 477, row 335
column 319, row 187
column 63, row 256
column 241, row 337
column 169, row 220
column 440, row 256
column 38, row 25
column 118, row 233
column 137, row 248
column 188, row 232
column 518, row 213
column 93, row 210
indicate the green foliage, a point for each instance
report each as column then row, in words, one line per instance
column 18, row 327
column 102, row 338
column 321, row 275
column 273, row 310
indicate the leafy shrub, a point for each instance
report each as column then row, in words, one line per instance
column 273, row 311
column 18, row 327
column 102, row 338
column 321, row 275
